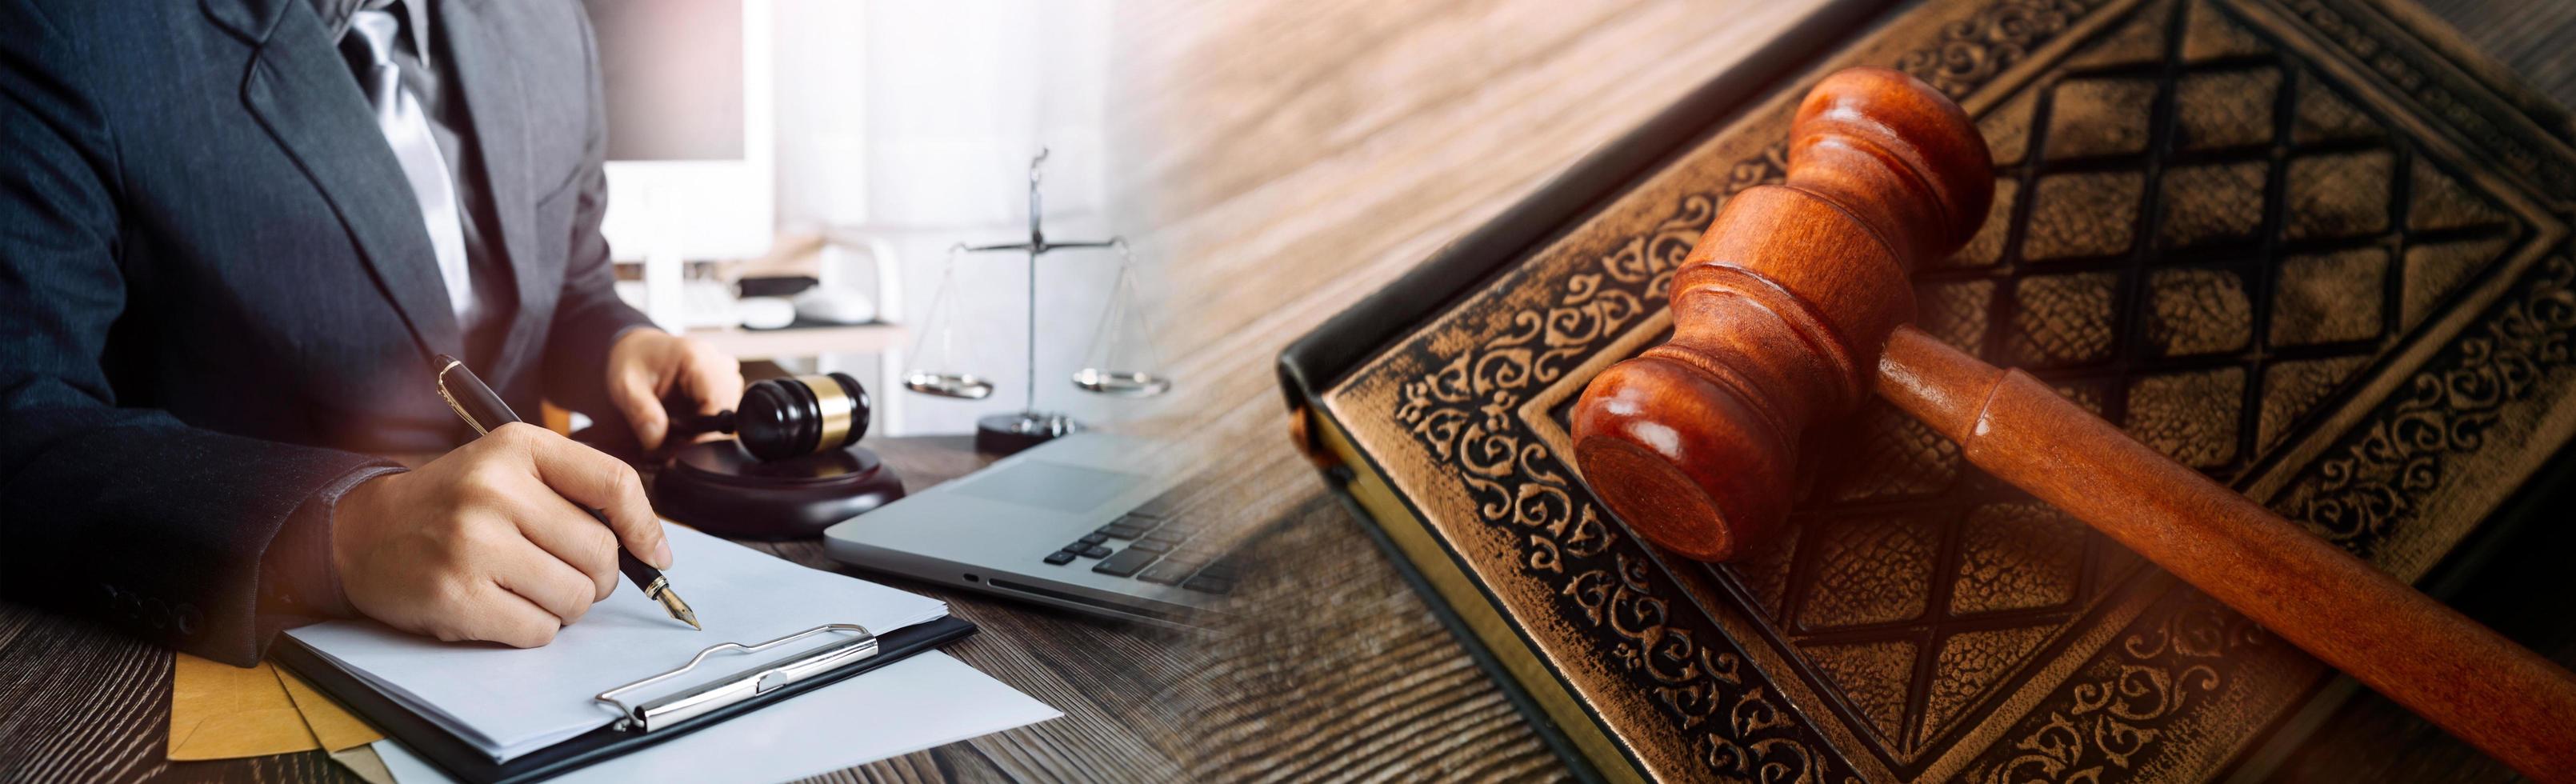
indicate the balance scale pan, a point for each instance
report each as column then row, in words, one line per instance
column 1121, row 383
column 957, row 385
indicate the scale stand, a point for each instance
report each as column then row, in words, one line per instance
column 1008, row 433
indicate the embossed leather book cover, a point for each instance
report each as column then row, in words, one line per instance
column 2314, row 248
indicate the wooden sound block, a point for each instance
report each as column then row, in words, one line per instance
column 718, row 488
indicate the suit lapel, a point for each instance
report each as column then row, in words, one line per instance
column 479, row 60
column 303, row 93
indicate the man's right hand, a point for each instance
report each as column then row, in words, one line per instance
column 489, row 542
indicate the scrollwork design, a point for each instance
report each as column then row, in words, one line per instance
column 1475, row 392
column 2114, row 713
column 1461, row 410
column 1973, row 50
column 2382, row 475
column 2401, row 67
column 2109, row 720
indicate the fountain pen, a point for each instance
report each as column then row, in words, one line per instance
column 484, row 411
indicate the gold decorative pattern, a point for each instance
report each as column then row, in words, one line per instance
column 2191, row 198
column 2373, row 481
column 1462, row 413
column 2407, row 65
column 1973, row 51
column 2106, row 722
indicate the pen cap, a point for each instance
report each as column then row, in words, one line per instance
column 468, row 397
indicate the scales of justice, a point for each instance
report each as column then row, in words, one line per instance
column 1118, row 363
column 792, row 473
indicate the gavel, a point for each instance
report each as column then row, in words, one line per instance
column 784, row 418
column 1794, row 306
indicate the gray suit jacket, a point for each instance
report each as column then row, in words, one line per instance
column 216, row 292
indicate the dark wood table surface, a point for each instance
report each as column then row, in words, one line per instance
column 1274, row 162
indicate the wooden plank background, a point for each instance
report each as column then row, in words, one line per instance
column 1275, row 162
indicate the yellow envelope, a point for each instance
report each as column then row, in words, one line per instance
column 219, row 711
column 335, row 727
column 363, row 763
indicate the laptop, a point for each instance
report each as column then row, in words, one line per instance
column 1071, row 523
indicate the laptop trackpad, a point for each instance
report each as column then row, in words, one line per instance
column 1063, row 488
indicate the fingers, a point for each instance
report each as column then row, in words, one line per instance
column 591, row 479
column 635, row 392
column 570, row 535
column 545, row 581
column 714, row 378
column 645, row 365
column 491, row 613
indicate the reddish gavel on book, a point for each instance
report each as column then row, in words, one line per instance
column 1793, row 307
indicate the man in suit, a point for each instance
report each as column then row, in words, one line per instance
column 231, row 234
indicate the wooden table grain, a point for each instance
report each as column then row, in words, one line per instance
column 1273, row 162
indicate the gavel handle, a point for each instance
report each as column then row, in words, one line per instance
column 2449, row 669
column 694, row 425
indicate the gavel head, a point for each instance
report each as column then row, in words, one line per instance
column 782, row 418
column 1779, row 314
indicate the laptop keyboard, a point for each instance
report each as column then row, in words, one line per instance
column 1153, row 545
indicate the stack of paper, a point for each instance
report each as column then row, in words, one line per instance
column 510, row 701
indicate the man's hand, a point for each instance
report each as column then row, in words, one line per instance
column 489, row 542
column 647, row 366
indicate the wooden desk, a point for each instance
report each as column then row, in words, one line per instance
column 1276, row 161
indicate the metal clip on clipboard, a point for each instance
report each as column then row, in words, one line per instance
column 680, row 706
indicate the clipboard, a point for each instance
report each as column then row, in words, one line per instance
column 641, row 723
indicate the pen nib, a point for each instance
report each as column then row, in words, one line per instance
column 679, row 609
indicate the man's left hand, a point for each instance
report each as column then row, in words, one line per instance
column 648, row 366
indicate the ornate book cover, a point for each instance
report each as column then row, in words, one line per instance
column 2312, row 247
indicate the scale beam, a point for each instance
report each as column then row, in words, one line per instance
column 1008, row 433
column 1023, row 246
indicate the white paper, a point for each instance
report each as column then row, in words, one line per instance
column 923, row 701
column 510, row 701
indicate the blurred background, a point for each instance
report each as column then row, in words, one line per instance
column 854, row 144
column 1271, row 163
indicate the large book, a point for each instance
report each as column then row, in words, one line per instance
column 2314, row 248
